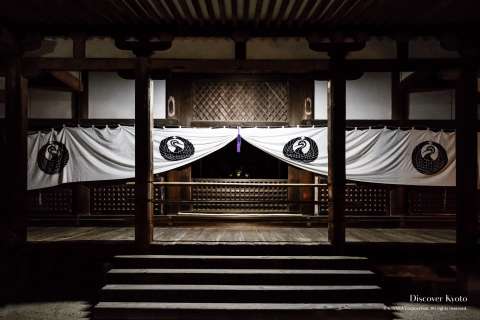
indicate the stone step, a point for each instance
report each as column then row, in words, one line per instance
column 239, row 262
column 240, row 293
column 239, row 311
column 240, row 276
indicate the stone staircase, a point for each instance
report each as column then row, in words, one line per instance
column 240, row 287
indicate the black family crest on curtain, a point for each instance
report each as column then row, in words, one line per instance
column 302, row 149
column 429, row 157
column 52, row 157
column 176, row 148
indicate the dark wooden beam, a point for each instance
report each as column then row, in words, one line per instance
column 246, row 11
column 143, row 157
column 467, row 173
column 79, row 45
column 16, row 88
column 233, row 66
column 198, row 12
column 258, row 13
column 177, row 17
column 302, row 19
column 210, row 11
column 269, row 15
column 400, row 108
column 336, row 156
column 186, row 11
column 402, row 50
column 235, row 16
column 241, row 50
column 293, row 12
column 40, row 124
column 145, row 45
column 223, row 11
column 68, row 79
column 81, row 192
column 281, row 12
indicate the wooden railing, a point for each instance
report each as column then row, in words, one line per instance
column 118, row 198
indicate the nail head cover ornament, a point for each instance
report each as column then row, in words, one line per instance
column 302, row 149
column 429, row 157
column 52, row 157
column 176, row 148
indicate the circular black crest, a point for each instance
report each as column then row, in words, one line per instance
column 176, row 148
column 52, row 157
column 429, row 157
column 301, row 149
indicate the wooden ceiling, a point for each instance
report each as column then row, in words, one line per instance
column 252, row 17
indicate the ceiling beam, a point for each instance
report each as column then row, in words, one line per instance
column 211, row 13
column 246, row 11
column 258, row 12
column 293, row 12
column 233, row 66
column 223, row 11
column 234, row 12
column 281, row 12
column 186, row 11
column 269, row 15
column 177, row 17
column 198, row 12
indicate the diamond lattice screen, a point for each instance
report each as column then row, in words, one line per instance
column 265, row 101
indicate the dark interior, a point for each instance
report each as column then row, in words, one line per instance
column 249, row 163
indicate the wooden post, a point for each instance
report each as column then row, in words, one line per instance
column 336, row 155
column 466, row 150
column 16, row 115
column 80, row 191
column 178, row 193
column 143, row 157
column 400, row 104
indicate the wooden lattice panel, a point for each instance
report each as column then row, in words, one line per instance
column 268, row 197
column 53, row 201
column 432, row 200
column 113, row 199
column 359, row 200
column 120, row 199
column 367, row 199
column 264, row 101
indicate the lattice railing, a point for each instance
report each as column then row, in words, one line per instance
column 118, row 199
column 113, row 199
column 246, row 101
column 359, row 199
column 51, row 201
column 432, row 200
column 244, row 198
column 364, row 199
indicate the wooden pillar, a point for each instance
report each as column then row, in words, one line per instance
column 80, row 191
column 297, row 175
column 143, row 156
column 336, row 155
column 399, row 107
column 466, row 151
column 178, row 193
column 16, row 160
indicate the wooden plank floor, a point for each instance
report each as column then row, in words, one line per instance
column 243, row 233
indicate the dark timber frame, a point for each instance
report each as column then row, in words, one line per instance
column 15, row 68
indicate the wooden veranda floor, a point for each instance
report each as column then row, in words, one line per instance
column 243, row 233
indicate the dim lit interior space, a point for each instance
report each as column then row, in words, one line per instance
column 239, row 159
